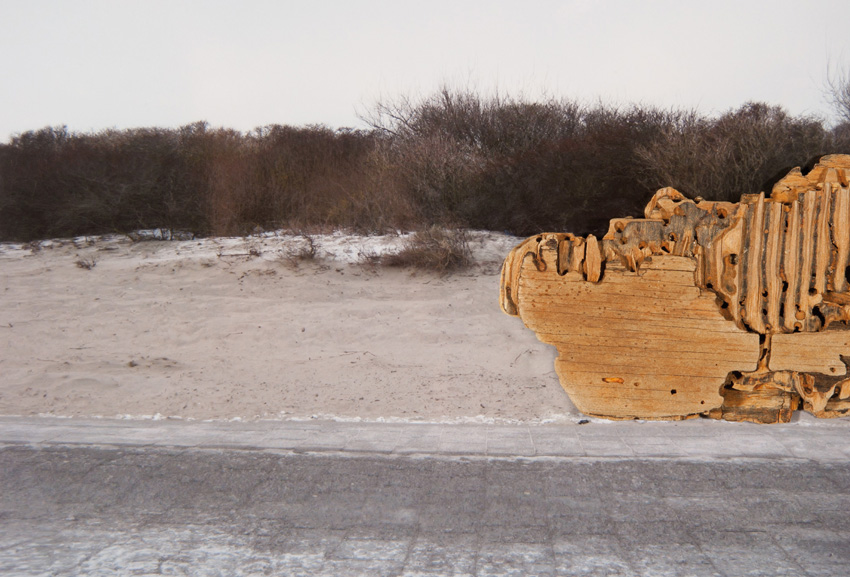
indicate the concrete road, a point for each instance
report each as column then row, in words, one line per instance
column 126, row 506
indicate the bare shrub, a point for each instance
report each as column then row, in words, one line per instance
column 453, row 159
column 374, row 198
column 306, row 249
column 502, row 163
column 56, row 183
column 368, row 258
column 739, row 152
column 435, row 249
column 310, row 175
column 837, row 93
column 576, row 182
column 443, row 147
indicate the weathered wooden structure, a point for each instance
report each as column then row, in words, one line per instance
column 736, row 311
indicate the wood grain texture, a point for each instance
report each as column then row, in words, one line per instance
column 810, row 352
column 625, row 361
column 730, row 310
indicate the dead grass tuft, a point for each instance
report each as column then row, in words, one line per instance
column 435, row 249
column 307, row 249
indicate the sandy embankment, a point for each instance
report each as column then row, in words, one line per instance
column 208, row 330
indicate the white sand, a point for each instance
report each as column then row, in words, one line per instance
column 207, row 330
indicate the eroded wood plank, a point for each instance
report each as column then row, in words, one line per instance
column 751, row 313
column 730, row 310
column 823, row 250
column 773, row 260
column 791, row 268
column 592, row 260
column 841, row 236
column 811, row 352
column 700, row 375
column 807, row 252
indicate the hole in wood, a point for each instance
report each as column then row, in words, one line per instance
column 816, row 312
column 672, row 391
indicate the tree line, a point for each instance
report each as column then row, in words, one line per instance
column 450, row 159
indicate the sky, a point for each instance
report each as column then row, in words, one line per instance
column 98, row 64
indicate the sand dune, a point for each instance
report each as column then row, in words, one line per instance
column 238, row 328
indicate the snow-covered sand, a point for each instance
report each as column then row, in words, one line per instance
column 240, row 328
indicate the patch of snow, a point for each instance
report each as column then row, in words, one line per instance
column 342, row 247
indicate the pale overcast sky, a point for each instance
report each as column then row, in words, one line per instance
column 94, row 64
